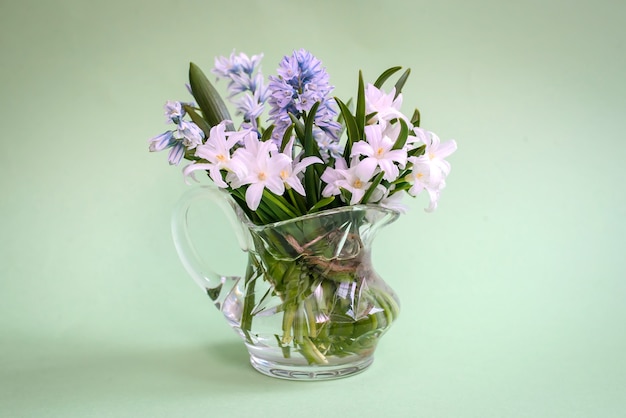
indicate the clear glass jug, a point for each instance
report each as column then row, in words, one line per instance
column 310, row 305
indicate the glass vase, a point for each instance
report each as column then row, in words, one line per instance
column 310, row 305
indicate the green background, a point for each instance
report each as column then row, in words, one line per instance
column 513, row 292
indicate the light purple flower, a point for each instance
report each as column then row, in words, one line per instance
column 240, row 71
column 161, row 142
column 189, row 134
column 300, row 83
column 173, row 112
column 236, row 64
column 176, row 153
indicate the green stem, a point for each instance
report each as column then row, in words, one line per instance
column 288, row 319
column 310, row 351
column 309, row 309
column 297, row 200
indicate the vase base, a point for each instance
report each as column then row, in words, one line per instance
column 310, row 373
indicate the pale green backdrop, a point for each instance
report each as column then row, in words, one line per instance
column 513, row 291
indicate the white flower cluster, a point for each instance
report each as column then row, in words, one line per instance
column 238, row 158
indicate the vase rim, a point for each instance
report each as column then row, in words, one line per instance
column 350, row 208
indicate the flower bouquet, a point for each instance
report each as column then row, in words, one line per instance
column 312, row 178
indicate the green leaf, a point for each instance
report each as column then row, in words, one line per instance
column 370, row 190
column 369, row 116
column 360, row 106
column 213, row 107
column 322, row 204
column 351, row 128
column 385, row 75
column 299, row 127
column 402, row 136
column 310, row 145
column 417, row 151
column 198, row 120
column 267, row 134
column 400, row 83
column 400, row 187
column 297, row 200
column 415, row 119
column 340, row 117
column 286, row 137
column 311, row 149
column 278, row 202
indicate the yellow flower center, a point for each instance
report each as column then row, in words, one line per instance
column 357, row 184
column 220, row 157
column 284, row 174
column 262, row 176
column 379, row 152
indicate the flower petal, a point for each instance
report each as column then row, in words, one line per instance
column 364, row 170
column 253, row 195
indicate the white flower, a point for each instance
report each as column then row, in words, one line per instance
column 290, row 170
column 216, row 151
column 426, row 177
column 436, row 151
column 421, row 137
column 385, row 106
column 263, row 170
column 423, row 176
column 378, row 148
column 394, row 202
column 430, row 170
column 355, row 179
column 331, row 176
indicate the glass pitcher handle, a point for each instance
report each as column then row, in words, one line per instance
column 202, row 274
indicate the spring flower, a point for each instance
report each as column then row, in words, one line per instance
column 189, row 134
column 329, row 147
column 236, row 64
column 174, row 112
column 301, row 82
column 384, row 105
column 164, row 141
column 290, row 170
column 176, row 153
column 430, row 170
column 250, row 107
column 436, row 151
column 240, row 70
column 216, row 151
column 428, row 176
column 356, row 180
column 161, row 142
column 378, row 149
column 331, row 176
column 263, row 170
column 394, row 202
